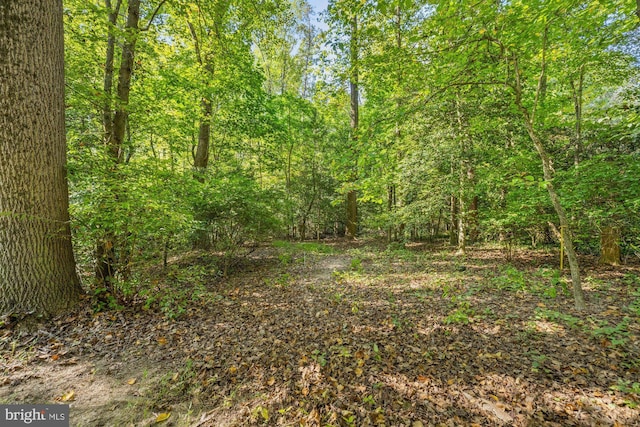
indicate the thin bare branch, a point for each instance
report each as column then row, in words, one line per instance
column 153, row 15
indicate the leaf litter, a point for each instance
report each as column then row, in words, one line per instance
column 398, row 338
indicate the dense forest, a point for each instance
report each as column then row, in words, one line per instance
column 478, row 160
column 215, row 124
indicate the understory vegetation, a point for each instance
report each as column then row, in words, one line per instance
column 347, row 334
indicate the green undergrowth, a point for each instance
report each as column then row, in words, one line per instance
column 312, row 247
column 543, row 282
column 616, row 335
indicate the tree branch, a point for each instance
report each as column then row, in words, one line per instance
column 542, row 79
column 153, row 16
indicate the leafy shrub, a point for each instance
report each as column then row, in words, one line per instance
column 510, row 279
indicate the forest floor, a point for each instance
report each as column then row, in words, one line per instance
column 345, row 334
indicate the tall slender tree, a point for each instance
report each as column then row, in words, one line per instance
column 346, row 21
column 352, row 195
column 37, row 267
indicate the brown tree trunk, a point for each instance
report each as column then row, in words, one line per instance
column 577, row 106
column 547, row 170
column 610, row 246
column 352, row 214
column 473, row 220
column 201, row 158
column 115, row 130
column 107, row 113
column 462, row 226
column 202, row 236
column 124, row 79
column 391, row 207
column 453, row 211
column 37, row 267
column 352, row 195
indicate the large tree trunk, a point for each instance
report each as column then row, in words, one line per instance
column 37, row 267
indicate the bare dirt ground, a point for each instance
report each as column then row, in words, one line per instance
column 345, row 334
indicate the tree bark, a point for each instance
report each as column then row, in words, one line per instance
column 37, row 266
column 610, row 246
column 201, row 158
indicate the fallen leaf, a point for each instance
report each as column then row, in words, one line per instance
column 131, row 381
column 271, row 381
column 489, row 407
column 68, row 397
column 528, row 401
column 265, row 414
column 163, row 417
